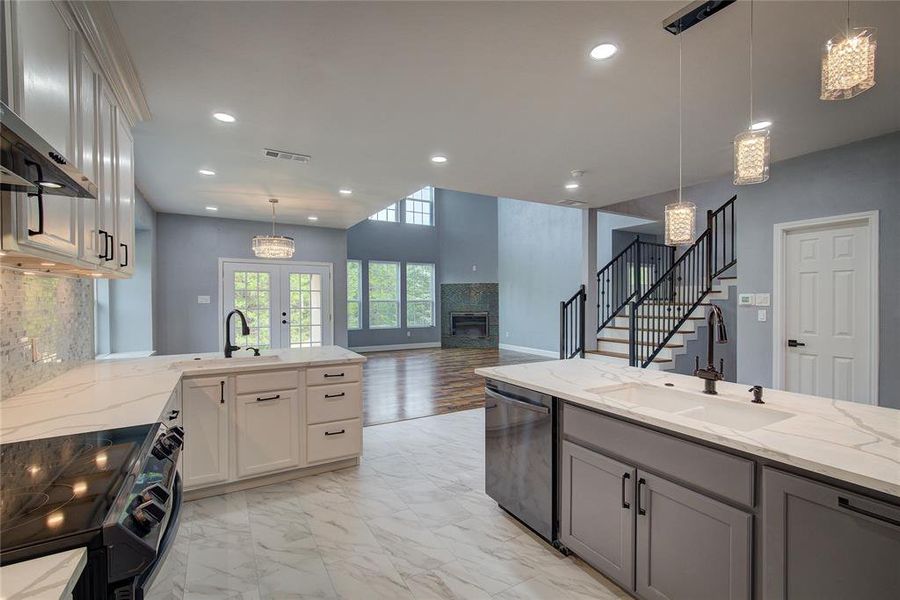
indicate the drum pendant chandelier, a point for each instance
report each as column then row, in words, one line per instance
column 273, row 246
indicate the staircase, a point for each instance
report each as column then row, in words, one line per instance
column 650, row 303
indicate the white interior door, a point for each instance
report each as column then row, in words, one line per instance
column 828, row 320
column 286, row 305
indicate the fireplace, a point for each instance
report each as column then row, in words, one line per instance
column 469, row 324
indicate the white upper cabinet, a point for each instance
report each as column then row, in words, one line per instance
column 89, row 82
column 45, row 92
column 124, row 196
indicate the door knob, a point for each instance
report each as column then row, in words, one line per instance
column 795, row 343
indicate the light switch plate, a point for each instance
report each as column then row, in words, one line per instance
column 763, row 300
column 745, row 299
column 761, row 315
column 202, row 299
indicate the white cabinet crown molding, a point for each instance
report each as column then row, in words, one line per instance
column 98, row 25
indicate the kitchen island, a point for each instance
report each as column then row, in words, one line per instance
column 677, row 494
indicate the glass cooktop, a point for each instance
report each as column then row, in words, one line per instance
column 56, row 487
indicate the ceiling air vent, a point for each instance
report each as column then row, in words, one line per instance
column 570, row 202
column 301, row 158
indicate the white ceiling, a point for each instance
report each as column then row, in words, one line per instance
column 506, row 90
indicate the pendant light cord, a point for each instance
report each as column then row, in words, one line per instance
column 848, row 18
column 273, row 219
column 680, row 110
column 751, row 64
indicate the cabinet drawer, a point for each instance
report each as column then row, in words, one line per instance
column 728, row 476
column 333, row 402
column 331, row 441
column 335, row 374
column 266, row 381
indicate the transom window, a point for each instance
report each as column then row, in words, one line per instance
column 384, row 295
column 419, row 207
column 354, row 294
column 419, row 295
column 389, row 214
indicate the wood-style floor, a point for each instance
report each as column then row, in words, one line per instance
column 408, row 384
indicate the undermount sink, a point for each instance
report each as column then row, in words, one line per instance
column 216, row 363
column 717, row 411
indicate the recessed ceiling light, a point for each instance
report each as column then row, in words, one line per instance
column 206, row 172
column 212, row 208
column 96, row 274
column 603, row 51
column 49, row 184
column 438, row 159
column 48, row 264
column 224, row 117
column 27, row 272
column 345, row 191
column 312, row 218
column 572, row 185
column 761, row 125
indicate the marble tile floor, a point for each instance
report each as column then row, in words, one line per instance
column 411, row 522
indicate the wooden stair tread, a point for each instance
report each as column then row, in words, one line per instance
column 625, row 356
column 642, row 329
column 618, row 341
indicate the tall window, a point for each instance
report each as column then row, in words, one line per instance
column 419, row 295
column 384, row 295
column 419, row 207
column 354, row 294
column 253, row 297
column 389, row 214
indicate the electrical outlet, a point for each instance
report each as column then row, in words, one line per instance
column 202, row 299
column 474, row 268
column 408, row 333
column 761, row 315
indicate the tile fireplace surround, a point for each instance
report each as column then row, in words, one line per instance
column 470, row 298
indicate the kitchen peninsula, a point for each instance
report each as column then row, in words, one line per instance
column 798, row 497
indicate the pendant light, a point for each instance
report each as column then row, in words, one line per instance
column 273, row 246
column 848, row 63
column 751, row 147
column 680, row 216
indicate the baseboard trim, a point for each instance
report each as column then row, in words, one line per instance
column 527, row 350
column 388, row 347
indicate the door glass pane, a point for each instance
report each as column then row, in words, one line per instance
column 253, row 297
column 305, row 296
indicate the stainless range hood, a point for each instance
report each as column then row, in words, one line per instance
column 30, row 164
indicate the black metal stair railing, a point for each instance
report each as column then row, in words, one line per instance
column 656, row 315
column 629, row 275
column 572, row 325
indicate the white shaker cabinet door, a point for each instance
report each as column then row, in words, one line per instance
column 268, row 427
column 89, row 81
column 205, row 409
column 124, row 248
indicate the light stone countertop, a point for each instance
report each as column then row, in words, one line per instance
column 107, row 394
column 49, row 577
column 850, row 442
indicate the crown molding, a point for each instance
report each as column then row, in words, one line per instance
column 101, row 32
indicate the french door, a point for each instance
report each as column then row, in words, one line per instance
column 286, row 305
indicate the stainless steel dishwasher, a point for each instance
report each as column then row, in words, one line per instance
column 520, row 464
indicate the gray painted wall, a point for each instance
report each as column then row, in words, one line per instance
column 539, row 265
column 467, row 236
column 188, row 252
column 857, row 177
column 131, row 323
column 606, row 224
column 464, row 234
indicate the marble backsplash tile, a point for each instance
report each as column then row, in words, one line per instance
column 46, row 328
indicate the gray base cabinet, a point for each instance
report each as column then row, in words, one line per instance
column 596, row 518
column 690, row 546
column 820, row 542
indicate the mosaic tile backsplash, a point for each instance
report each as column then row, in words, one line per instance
column 46, row 328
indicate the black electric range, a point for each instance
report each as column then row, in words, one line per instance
column 116, row 492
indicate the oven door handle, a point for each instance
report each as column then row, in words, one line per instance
column 538, row 408
column 145, row 579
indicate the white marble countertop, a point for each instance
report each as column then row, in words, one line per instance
column 49, row 577
column 851, row 442
column 107, row 394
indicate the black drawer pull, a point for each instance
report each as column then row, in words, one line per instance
column 125, row 246
column 221, row 392
column 40, row 204
column 640, row 507
column 330, row 375
column 336, row 432
column 275, row 397
column 105, row 243
column 625, row 477
column 173, row 414
column 341, row 395
column 845, row 503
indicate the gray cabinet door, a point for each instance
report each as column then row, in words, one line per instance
column 689, row 546
column 596, row 516
column 820, row 542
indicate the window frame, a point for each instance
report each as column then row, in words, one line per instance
column 359, row 294
column 398, row 302
column 387, row 210
column 411, row 302
column 429, row 202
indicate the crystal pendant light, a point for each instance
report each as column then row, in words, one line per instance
column 751, row 147
column 273, row 246
column 680, row 216
column 848, row 63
